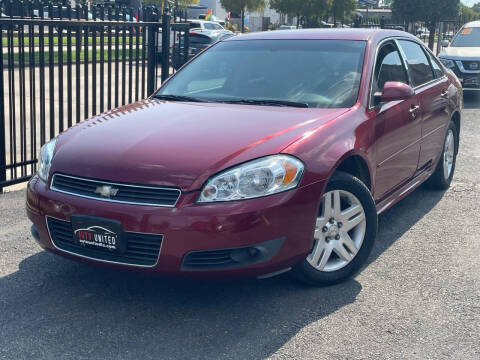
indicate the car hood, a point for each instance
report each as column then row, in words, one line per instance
column 461, row 53
column 179, row 144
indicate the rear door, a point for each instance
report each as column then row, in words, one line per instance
column 432, row 87
column 398, row 126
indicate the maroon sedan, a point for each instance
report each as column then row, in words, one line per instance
column 268, row 152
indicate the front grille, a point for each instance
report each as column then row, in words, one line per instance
column 115, row 192
column 142, row 249
column 467, row 65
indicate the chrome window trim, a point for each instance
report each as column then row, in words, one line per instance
column 462, row 68
column 101, row 260
column 116, row 184
column 380, row 44
column 405, row 58
column 405, row 64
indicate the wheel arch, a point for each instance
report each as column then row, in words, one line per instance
column 456, row 118
column 356, row 165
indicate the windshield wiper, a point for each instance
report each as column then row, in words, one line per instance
column 267, row 102
column 170, row 97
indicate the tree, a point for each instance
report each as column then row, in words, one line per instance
column 311, row 11
column 292, row 8
column 466, row 13
column 240, row 6
column 342, row 8
column 429, row 11
column 171, row 3
column 476, row 7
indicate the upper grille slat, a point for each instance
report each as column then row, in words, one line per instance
column 122, row 193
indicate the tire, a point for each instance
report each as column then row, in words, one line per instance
column 439, row 179
column 347, row 252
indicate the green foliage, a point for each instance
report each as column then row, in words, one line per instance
column 430, row 11
column 239, row 6
column 467, row 13
column 476, row 8
column 311, row 11
column 288, row 7
column 342, row 9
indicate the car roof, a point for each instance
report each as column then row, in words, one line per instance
column 202, row 21
column 323, row 34
column 209, row 33
column 473, row 24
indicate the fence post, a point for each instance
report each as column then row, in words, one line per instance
column 3, row 160
column 165, row 46
column 151, row 58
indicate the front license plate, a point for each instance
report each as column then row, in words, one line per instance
column 98, row 233
column 471, row 81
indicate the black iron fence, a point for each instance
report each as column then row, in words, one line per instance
column 60, row 65
column 444, row 30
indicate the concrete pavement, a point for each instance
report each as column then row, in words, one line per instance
column 418, row 297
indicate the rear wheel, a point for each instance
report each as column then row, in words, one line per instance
column 344, row 234
column 443, row 175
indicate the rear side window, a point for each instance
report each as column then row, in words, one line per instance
column 437, row 69
column 199, row 39
column 418, row 64
column 209, row 26
column 195, row 25
column 388, row 67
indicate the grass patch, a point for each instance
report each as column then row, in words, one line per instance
column 47, row 56
column 36, row 40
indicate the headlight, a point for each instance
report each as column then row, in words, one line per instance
column 261, row 177
column 45, row 159
column 448, row 63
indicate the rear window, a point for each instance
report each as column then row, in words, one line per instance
column 467, row 37
column 199, row 39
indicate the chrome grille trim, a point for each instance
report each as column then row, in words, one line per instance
column 172, row 191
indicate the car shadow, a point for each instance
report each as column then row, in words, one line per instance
column 53, row 307
column 471, row 99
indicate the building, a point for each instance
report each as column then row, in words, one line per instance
column 257, row 21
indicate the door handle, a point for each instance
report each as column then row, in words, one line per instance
column 413, row 110
column 444, row 93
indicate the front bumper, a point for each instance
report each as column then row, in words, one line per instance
column 470, row 79
column 281, row 225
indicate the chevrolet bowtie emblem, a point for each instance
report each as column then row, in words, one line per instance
column 106, row 191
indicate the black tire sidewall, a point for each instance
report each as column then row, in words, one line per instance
column 452, row 127
column 343, row 181
column 437, row 179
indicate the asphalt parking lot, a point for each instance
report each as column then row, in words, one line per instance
column 419, row 296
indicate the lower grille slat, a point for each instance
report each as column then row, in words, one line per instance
column 142, row 249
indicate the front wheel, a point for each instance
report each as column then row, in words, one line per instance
column 344, row 234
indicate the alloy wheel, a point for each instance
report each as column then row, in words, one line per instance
column 339, row 231
column 448, row 154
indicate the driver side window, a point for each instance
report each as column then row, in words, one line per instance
column 388, row 67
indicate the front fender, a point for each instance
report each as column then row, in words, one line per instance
column 325, row 148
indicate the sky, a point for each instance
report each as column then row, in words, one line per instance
column 470, row 2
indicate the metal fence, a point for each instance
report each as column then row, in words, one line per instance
column 445, row 30
column 60, row 65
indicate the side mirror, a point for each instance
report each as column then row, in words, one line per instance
column 394, row 91
column 445, row 43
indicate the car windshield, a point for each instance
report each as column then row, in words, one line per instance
column 318, row 73
column 467, row 37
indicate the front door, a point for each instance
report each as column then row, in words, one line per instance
column 398, row 126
